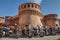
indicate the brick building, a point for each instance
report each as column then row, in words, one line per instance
column 30, row 13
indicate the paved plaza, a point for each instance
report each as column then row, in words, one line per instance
column 35, row 38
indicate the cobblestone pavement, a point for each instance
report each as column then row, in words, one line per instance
column 35, row 38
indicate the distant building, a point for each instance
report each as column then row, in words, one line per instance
column 51, row 20
column 11, row 20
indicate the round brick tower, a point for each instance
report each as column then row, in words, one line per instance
column 51, row 20
column 30, row 13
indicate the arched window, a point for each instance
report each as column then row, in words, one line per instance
column 32, row 5
column 21, row 7
column 28, row 5
column 24, row 6
column 35, row 6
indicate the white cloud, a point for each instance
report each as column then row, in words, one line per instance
column 34, row 1
column 37, row 1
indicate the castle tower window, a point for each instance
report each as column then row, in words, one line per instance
column 21, row 7
column 28, row 5
column 32, row 5
column 24, row 6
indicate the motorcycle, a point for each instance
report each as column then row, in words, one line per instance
column 40, row 32
column 28, row 31
column 2, row 33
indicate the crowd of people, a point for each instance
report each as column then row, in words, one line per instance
column 28, row 31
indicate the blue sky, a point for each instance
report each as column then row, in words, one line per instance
column 10, row 7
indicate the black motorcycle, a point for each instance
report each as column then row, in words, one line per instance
column 17, row 32
column 35, row 32
column 2, row 33
column 41, row 31
column 28, row 31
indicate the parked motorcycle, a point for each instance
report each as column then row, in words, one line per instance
column 16, row 31
column 35, row 32
column 2, row 33
column 41, row 32
column 28, row 31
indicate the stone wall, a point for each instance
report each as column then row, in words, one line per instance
column 27, row 19
column 51, row 20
